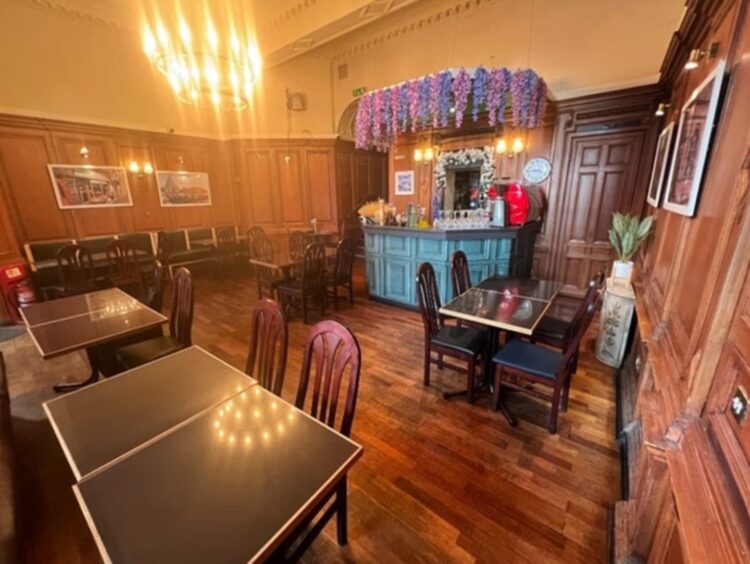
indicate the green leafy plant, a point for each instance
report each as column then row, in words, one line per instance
column 628, row 232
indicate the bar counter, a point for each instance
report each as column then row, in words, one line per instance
column 393, row 254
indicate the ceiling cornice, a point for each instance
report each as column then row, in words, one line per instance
column 67, row 9
column 295, row 11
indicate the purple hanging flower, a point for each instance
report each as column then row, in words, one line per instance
column 415, row 90
column 394, row 111
column 387, row 115
column 362, row 122
column 435, row 99
column 521, row 87
column 403, row 106
column 497, row 92
column 425, row 85
column 377, row 117
column 479, row 93
column 461, row 88
column 538, row 103
column 445, row 88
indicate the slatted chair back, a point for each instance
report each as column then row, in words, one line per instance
column 122, row 258
column 75, row 266
column 313, row 268
column 154, row 297
column 252, row 234
column 297, row 244
column 181, row 318
column 428, row 299
column 342, row 271
column 225, row 237
column 267, row 352
column 570, row 352
column 331, row 364
column 590, row 297
column 460, row 275
column 263, row 250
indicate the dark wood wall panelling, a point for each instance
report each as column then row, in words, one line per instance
column 694, row 324
column 278, row 185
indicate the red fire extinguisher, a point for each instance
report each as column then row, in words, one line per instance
column 16, row 289
column 518, row 203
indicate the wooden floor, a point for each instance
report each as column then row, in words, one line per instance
column 440, row 481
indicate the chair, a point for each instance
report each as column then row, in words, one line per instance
column 539, row 365
column 333, row 354
column 75, row 268
column 123, row 266
column 460, row 276
column 463, row 343
column 297, row 244
column 267, row 279
column 180, row 327
column 341, row 275
column 154, row 294
column 266, row 357
column 173, row 249
column 309, row 287
column 227, row 249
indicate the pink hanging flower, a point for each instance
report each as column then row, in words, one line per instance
column 497, row 92
column 435, row 98
column 414, row 103
column 362, row 122
column 461, row 89
column 395, row 110
column 376, row 116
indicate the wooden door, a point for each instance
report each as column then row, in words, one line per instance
column 601, row 175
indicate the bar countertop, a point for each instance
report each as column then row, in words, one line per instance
column 453, row 234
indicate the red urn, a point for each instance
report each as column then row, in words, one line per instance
column 518, row 203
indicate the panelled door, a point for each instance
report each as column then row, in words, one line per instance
column 602, row 169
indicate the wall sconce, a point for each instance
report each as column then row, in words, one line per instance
column 427, row 154
column 418, row 155
column 516, row 147
column 661, row 109
column 135, row 168
column 697, row 55
column 84, row 152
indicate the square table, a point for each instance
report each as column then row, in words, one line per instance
column 285, row 261
column 231, row 485
column 86, row 321
column 98, row 424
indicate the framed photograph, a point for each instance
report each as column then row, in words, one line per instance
column 661, row 162
column 692, row 144
column 89, row 186
column 404, row 182
column 181, row 188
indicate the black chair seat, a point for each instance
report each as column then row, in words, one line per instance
column 146, row 351
column 462, row 339
column 552, row 329
column 530, row 358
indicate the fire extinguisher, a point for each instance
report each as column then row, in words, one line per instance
column 518, row 203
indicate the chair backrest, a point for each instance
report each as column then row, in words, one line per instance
column 121, row 257
column 333, row 358
column 344, row 260
column 460, row 276
column 171, row 242
column 266, row 356
column 313, row 267
column 252, row 234
column 574, row 342
column 75, row 266
column 140, row 241
column 428, row 299
column 297, row 244
column 181, row 318
column 155, row 289
column 225, row 236
column 591, row 295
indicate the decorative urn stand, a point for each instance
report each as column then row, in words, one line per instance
column 617, row 314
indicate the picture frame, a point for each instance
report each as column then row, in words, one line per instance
column 89, row 186
column 662, row 159
column 692, row 143
column 180, row 188
column 404, row 183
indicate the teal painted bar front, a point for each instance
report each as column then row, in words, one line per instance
column 393, row 254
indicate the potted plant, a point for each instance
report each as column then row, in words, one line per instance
column 626, row 235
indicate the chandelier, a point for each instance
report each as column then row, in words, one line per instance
column 205, row 71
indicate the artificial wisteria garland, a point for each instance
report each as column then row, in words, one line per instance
column 428, row 102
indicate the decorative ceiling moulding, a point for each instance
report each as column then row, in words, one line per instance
column 81, row 9
column 437, row 17
column 295, row 11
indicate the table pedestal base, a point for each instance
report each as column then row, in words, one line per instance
column 93, row 355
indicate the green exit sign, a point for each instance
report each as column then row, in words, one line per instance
column 359, row 91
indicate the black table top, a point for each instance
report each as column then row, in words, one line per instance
column 223, row 488
column 68, row 324
column 99, row 423
column 524, row 287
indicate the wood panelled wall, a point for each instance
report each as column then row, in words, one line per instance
column 690, row 480
column 278, row 185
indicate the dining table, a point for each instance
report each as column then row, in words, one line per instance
column 202, row 464
column 284, row 262
column 87, row 321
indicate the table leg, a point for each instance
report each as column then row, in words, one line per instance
column 493, row 335
column 93, row 355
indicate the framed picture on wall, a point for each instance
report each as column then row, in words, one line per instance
column 404, row 182
column 89, row 186
column 181, row 188
column 661, row 162
column 692, row 144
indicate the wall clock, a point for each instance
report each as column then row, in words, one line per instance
column 537, row 170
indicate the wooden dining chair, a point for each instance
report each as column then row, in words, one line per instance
column 267, row 278
column 460, row 275
column 308, row 288
column 297, row 244
column 340, row 276
column 267, row 352
column 180, row 327
column 535, row 364
column 463, row 343
column 226, row 245
column 124, row 270
column 75, row 267
column 154, row 294
column 330, row 366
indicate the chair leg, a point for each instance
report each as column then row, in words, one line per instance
column 351, row 292
column 426, row 375
column 440, row 361
column 552, row 427
column 565, row 394
column 470, row 374
column 496, row 393
column 341, row 513
column 304, row 308
column 335, row 297
column 575, row 363
column 323, row 300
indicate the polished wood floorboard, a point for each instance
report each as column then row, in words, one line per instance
column 440, row 481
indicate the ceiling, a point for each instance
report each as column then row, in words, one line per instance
column 83, row 59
